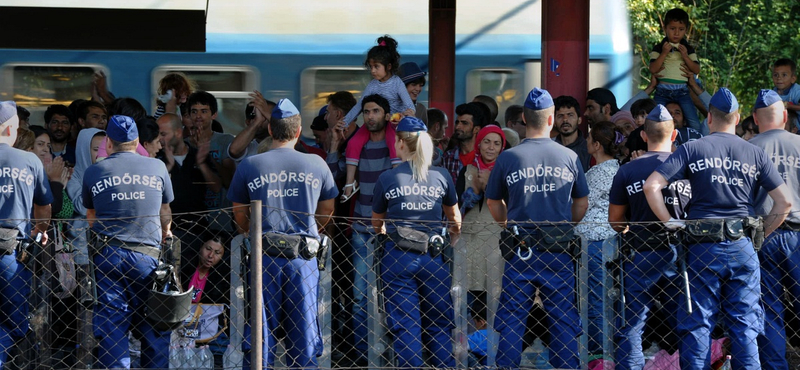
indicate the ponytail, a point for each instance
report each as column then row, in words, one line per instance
column 609, row 137
column 420, row 147
column 385, row 52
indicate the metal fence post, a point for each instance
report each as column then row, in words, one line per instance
column 257, row 285
column 325, row 309
column 458, row 292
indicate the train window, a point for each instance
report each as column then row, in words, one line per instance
column 598, row 74
column 505, row 85
column 317, row 83
column 229, row 84
column 36, row 86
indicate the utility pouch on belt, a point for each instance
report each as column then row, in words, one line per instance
column 290, row 246
column 323, row 254
column 754, row 227
column 410, row 239
column 705, row 231
column 558, row 239
column 734, row 229
column 646, row 240
column 8, row 240
column 508, row 244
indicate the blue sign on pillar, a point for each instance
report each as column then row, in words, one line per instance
column 554, row 64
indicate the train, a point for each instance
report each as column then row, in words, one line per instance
column 305, row 50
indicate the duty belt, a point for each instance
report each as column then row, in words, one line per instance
column 790, row 226
column 143, row 249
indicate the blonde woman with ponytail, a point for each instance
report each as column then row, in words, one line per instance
column 408, row 205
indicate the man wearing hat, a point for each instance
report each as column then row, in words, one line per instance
column 414, row 78
column 127, row 200
column 544, row 184
column 649, row 266
column 23, row 187
column 298, row 193
column 779, row 257
column 417, row 280
column 721, row 261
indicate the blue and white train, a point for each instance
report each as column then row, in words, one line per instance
column 306, row 49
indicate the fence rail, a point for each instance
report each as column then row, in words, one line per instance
column 625, row 287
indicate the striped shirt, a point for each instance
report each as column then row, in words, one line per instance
column 374, row 161
column 394, row 90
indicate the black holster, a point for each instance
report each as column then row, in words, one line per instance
column 754, row 228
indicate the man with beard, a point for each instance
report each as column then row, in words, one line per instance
column 469, row 120
column 568, row 117
column 374, row 161
column 600, row 105
column 59, row 126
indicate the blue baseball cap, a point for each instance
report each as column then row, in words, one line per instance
column 284, row 109
column 122, row 129
column 659, row 114
column 323, row 110
column 538, row 99
column 766, row 98
column 411, row 124
column 8, row 113
column 724, row 100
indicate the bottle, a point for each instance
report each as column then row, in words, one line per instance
column 204, row 358
column 727, row 364
column 233, row 358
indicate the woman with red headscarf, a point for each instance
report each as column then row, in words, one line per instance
column 479, row 230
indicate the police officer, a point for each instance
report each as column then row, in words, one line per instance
column 416, row 278
column 723, row 267
column 127, row 200
column 650, row 261
column 294, row 187
column 544, row 183
column 780, row 260
column 23, row 186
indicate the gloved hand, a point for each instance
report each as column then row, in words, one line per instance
column 469, row 199
column 674, row 224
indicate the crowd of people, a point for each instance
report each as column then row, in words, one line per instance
column 526, row 190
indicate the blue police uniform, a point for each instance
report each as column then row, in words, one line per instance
column 724, row 171
column 22, row 184
column 290, row 184
column 126, row 190
column 416, row 284
column 647, row 271
column 538, row 178
column 780, row 260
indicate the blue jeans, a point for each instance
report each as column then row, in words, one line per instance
column 554, row 275
column 595, row 291
column 15, row 288
column 667, row 93
column 646, row 274
column 723, row 276
column 362, row 263
column 124, row 279
column 780, row 267
column 290, row 289
column 419, row 307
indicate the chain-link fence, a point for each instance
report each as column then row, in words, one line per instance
column 532, row 295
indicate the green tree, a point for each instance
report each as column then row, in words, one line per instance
column 736, row 40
